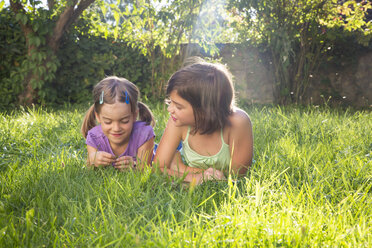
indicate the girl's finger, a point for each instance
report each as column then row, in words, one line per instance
column 124, row 158
column 122, row 167
column 109, row 158
column 124, row 164
column 104, row 161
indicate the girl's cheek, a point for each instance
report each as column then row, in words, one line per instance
column 169, row 108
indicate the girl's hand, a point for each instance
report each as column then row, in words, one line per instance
column 211, row 174
column 124, row 163
column 101, row 158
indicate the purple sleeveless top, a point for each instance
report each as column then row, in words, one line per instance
column 141, row 133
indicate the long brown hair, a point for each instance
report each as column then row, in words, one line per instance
column 114, row 90
column 209, row 89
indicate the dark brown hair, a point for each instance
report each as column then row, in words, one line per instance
column 209, row 89
column 114, row 89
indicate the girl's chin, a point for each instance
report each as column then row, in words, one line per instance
column 117, row 139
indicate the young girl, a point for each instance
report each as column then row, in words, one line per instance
column 119, row 140
column 216, row 136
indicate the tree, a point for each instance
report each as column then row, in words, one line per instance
column 159, row 29
column 298, row 34
column 43, row 29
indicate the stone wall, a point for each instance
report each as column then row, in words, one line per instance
column 252, row 75
column 348, row 84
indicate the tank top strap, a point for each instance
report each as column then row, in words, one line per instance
column 223, row 141
column 187, row 135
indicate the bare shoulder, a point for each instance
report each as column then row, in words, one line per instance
column 240, row 119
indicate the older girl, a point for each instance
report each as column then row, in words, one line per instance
column 216, row 136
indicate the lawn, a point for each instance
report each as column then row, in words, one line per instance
column 309, row 186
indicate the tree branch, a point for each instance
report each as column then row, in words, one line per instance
column 51, row 4
column 68, row 16
column 79, row 10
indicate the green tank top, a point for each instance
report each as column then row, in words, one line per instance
column 219, row 161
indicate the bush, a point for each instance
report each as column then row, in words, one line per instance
column 84, row 60
column 12, row 53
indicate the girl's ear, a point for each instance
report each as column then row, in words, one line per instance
column 97, row 117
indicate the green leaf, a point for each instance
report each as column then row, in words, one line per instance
column 18, row 16
column 117, row 18
column 33, row 55
column 24, row 19
column 36, row 26
column 33, row 83
column 41, row 71
column 3, row 230
column 54, row 67
column 103, row 9
column 39, row 84
column 37, row 41
column 116, row 32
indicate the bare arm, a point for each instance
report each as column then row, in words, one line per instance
column 167, row 146
column 166, row 155
column 241, row 142
column 170, row 161
column 144, row 153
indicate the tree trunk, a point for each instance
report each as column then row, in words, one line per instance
column 68, row 16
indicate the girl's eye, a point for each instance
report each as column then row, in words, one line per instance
column 107, row 122
column 125, row 122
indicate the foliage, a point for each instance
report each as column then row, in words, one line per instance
column 12, row 53
column 86, row 59
column 159, row 29
column 310, row 185
column 299, row 34
column 36, row 64
column 42, row 30
column 155, row 28
column 83, row 60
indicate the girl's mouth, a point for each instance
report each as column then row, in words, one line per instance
column 173, row 118
column 116, row 134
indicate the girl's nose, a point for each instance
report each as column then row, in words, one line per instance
column 116, row 126
column 170, row 109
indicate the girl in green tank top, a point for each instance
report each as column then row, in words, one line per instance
column 219, row 161
column 216, row 136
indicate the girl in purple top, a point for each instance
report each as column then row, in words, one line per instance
column 119, row 139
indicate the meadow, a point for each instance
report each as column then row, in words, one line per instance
column 309, row 186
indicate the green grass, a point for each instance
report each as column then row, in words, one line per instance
column 310, row 186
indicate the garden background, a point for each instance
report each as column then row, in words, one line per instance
column 302, row 70
column 307, row 52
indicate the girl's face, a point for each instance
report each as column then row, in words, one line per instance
column 180, row 110
column 117, row 122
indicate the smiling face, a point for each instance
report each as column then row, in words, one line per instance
column 180, row 110
column 117, row 122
